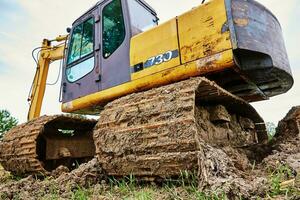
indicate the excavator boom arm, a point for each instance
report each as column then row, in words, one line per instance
column 48, row 54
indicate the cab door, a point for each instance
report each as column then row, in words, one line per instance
column 115, row 42
column 81, row 66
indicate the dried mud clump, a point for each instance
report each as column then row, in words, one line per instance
column 286, row 143
column 84, row 176
column 229, row 171
column 33, row 188
column 247, row 172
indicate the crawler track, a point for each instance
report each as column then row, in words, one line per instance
column 20, row 152
column 156, row 133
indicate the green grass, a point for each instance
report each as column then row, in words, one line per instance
column 143, row 195
column 125, row 186
column 277, row 177
column 81, row 194
column 184, row 187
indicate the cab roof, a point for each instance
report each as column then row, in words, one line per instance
column 143, row 2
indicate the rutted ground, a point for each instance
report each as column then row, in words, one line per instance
column 263, row 171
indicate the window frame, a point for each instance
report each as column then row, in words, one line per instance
column 86, row 57
column 124, row 26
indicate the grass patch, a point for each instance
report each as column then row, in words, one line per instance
column 186, row 187
column 283, row 182
column 81, row 194
column 125, row 186
column 183, row 187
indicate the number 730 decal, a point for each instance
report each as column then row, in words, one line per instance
column 165, row 57
column 156, row 60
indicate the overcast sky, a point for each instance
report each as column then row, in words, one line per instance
column 24, row 23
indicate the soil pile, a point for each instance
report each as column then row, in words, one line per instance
column 34, row 188
column 258, row 170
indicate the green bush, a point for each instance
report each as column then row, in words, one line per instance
column 271, row 129
column 7, row 122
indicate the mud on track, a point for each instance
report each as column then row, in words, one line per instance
column 24, row 149
column 160, row 132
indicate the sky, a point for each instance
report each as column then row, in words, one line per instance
column 24, row 23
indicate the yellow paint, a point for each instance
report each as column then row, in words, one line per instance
column 152, row 43
column 55, row 53
column 181, row 72
column 61, row 38
column 48, row 54
column 200, row 31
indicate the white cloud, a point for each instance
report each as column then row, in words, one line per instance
column 44, row 19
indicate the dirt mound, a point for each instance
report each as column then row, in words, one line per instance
column 33, row 188
column 253, row 171
column 286, row 143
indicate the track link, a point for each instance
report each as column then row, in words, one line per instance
column 156, row 133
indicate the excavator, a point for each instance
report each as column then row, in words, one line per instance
column 158, row 89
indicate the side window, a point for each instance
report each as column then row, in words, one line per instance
column 81, row 47
column 113, row 27
column 74, row 53
column 79, row 70
column 141, row 18
column 87, row 46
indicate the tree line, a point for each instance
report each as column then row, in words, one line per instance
column 7, row 122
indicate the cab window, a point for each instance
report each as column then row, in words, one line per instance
column 113, row 27
column 141, row 18
column 82, row 41
column 81, row 49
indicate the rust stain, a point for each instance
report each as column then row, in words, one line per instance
column 205, row 47
column 241, row 22
column 208, row 63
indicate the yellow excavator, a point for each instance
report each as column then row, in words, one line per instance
column 158, row 89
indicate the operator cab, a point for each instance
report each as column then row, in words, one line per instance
column 97, row 54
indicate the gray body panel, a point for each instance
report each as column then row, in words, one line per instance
column 259, row 46
column 115, row 69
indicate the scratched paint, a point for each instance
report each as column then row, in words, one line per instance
column 241, row 22
column 208, row 62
